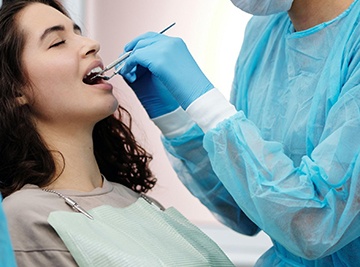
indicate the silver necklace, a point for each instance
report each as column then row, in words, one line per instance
column 72, row 203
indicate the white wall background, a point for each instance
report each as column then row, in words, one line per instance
column 213, row 31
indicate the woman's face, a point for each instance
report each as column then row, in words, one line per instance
column 56, row 58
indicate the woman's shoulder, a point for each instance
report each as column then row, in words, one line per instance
column 26, row 212
column 25, row 200
column 29, row 207
column 34, row 241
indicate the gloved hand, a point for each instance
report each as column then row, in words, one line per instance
column 169, row 60
column 153, row 95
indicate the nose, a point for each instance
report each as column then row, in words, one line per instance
column 90, row 47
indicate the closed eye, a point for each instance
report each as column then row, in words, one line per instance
column 57, row 44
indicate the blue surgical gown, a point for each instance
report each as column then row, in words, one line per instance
column 288, row 161
column 7, row 258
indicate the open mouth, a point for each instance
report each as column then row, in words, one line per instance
column 89, row 78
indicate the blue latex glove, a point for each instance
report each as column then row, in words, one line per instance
column 152, row 93
column 168, row 59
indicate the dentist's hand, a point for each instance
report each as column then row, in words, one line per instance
column 169, row 60
column 153, row 95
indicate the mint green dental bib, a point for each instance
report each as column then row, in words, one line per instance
column 138, row 235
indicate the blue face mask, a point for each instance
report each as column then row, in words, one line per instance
column 263, row 7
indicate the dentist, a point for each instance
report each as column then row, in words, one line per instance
column 283, row 155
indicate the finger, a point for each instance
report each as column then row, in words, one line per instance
column 140, row 57
column 130, row 46
column 130, row 76
column 149, row 51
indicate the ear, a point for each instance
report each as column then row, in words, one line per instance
column 22, row 100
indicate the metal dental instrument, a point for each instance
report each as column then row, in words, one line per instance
column 118, row 61
column 112, row 65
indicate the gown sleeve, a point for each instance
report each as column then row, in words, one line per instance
column 192, row 165
column 315, row 203
column 7, row 257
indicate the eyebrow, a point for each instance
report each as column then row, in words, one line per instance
column 57, row 28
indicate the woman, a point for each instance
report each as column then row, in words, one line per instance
column 284, row 156
column 71, row 172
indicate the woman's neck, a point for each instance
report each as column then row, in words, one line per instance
column 305, row 14
column 76, row 165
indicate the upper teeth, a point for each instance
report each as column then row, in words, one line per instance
column 94, row 70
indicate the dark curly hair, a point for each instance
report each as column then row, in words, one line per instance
column 24, row 156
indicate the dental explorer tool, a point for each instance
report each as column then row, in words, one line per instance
column 118, row 61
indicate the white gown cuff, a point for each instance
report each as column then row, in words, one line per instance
column 210, row 109
column 174, row 124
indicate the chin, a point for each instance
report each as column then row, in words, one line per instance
column 107, row 109
column 112, row 108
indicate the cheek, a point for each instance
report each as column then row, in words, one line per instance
column 47, row 91
column 51, row 81
column 53, row 74
column 49, row 88
column 46, row 99
column 50, row 69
